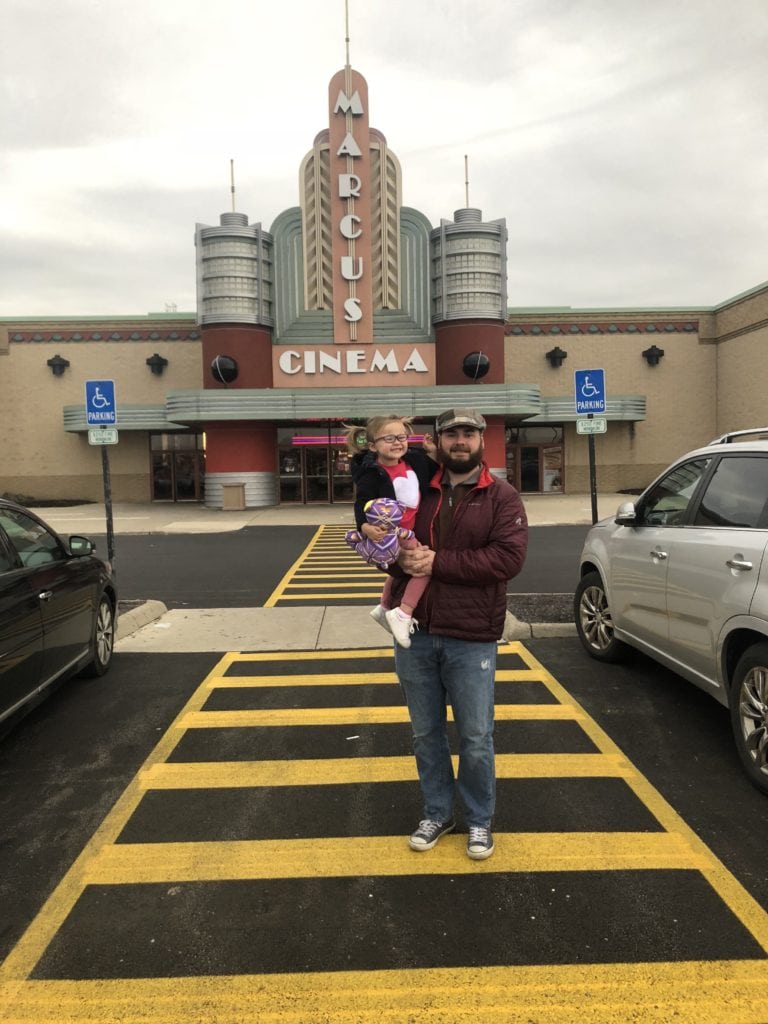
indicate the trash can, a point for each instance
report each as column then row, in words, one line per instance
column 233, row 497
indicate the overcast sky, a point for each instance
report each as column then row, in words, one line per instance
column 624, row 141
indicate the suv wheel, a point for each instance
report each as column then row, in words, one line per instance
column 103, row 640
column 749, row 713
column 593, row 620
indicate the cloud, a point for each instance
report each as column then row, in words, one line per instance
column 624, row 142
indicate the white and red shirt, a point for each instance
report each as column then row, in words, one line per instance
column 406, row 485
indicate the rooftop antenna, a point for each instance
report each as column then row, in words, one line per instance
column 232, row 182
column 346, row 25
column 466, row 181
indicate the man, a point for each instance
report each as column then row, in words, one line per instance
column 473, row 537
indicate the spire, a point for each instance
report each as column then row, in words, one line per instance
column 346, row 24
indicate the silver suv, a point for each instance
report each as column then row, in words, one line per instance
column 681, row 574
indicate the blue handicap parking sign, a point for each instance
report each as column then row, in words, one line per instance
column 590, row 391
column 100, row 409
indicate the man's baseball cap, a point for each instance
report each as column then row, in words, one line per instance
column 462, row 416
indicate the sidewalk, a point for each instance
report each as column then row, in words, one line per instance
column 150, row 627
column 167, row 517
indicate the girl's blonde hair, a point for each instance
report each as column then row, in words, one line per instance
column 358, row 438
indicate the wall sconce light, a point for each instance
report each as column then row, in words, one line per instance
column 653, row 354
column 157, row 364
column 555, row 356
column 476, row 365
column 57, row 365
column 224, row 369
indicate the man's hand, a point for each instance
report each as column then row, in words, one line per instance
column 416, row 561
column 374, row 533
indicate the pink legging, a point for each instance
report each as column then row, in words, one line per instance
column 414, row 588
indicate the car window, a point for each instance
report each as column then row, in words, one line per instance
column 667, row 503
column 35, row 545
column 5, row 559
column 737, row 493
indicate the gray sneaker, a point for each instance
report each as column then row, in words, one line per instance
column 428, row 833
column 480, row 843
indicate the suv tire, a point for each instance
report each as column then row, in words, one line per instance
column 593, row 620
column 749, row 713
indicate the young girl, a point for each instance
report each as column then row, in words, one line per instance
column 390, row 469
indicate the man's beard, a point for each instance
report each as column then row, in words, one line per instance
column 465, row 465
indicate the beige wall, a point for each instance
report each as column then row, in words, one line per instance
column 38, row 458
column 707, row 382
column 742, row 362
column 680, row 392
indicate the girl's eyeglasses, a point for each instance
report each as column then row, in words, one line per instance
column 391, row 438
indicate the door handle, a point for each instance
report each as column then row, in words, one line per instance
column 45, row 595
column 661, row 555
column 738, row 563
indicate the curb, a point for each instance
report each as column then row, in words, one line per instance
column 132, row 620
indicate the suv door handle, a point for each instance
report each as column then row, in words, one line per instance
column 661, row 555
column 45, row 595
column 737, row 563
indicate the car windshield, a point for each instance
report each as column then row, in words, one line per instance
column 667, row 503
column 33, row 543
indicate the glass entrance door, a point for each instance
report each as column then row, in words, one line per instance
column 316, row 474
column 343, row 488
column 314, row 465
column 178, row 467
column 535, row 458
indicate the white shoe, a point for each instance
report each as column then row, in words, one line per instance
column 399, row 627
column 379, row 615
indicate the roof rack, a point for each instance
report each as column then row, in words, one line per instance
column 739, row 434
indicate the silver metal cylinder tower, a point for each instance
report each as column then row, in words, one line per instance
column 469, row 268
column 234, row 272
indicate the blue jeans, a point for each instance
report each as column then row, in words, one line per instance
column 435, row 671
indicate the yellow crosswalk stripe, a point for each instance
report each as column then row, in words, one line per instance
column 356, row 715
column 329, row 771
column 351, row 857
column 684, row 992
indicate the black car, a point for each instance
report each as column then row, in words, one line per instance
column 58, row 610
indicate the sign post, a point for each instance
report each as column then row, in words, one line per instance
column 589, row 389
column 101, row 412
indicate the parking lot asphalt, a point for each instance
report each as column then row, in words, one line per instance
column 151, row 626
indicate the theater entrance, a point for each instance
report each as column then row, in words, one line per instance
column 314, row 466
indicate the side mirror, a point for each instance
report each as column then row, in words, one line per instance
column 626, row 514
column 80, row 546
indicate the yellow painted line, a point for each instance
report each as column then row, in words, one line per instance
column 688, row 992
column 733, row 894
column 372, row 594
column 329, row 679
column 726, row 992
column 344, row 585
column 362, row 571
column 21, row 960
column 276, row 594
column 357, row 715
column 343, row 679
column 348, row 654
column 329, row 771
column 125, row 863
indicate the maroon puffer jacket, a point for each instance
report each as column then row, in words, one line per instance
column 485, row 546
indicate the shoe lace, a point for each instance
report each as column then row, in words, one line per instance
column 428, row 824
column 477, row 835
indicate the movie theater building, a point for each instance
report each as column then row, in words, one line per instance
column 353, row 305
